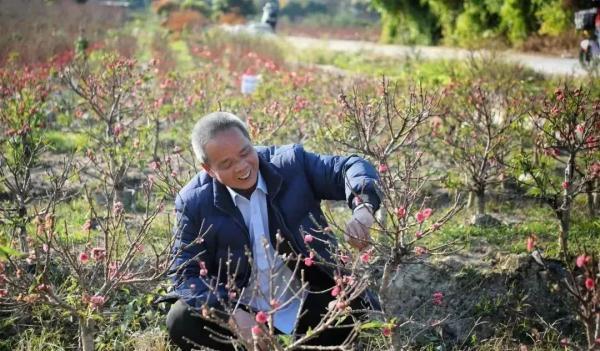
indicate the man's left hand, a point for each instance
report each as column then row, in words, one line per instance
column 357, row 228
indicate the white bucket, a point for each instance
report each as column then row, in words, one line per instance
column 249, row 83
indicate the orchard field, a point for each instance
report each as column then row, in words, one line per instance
column 489, row 233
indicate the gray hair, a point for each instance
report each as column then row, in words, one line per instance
column 210, row 125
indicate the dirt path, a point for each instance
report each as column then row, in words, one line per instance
column 539, row 63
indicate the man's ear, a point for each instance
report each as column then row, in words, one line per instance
column 208, row 170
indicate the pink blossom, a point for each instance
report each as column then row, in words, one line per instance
column 438, row 298
column 3, row 292
column 344, row 258
column 419, row 234
column 232, row 295
column 84, row 257
column 45, row 248
column 97, row 301
column 564, row 342
column 400, row 212
column 154, row 165
column 365, row 257
column 427, row 212
column 308, row 238
column 348, row 279
column 387, row 332
column 274, row 303
column 579, row 128
column 423, row 215
column 3, row 279
column 335, row 291
column 98, row 253
column 118, row 129
column 117, row 208
column 383, row 168
column 256, row 331
column 565, row 185
column 262, row 317
column 420, row 250
column 87, row 226
column 192, row 286
column 203, row 270
column 340, row 305
column 531, row 242
column 589, row 283
column 308, row 261
column 582, row 260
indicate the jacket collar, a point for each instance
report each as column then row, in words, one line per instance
column 272, row 179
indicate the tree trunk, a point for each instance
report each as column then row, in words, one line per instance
column 563, row 235
column 596, row 195
column 22, row 226
column 471, row 199
column 589, row 190
column 87, row 331
column 480, row 202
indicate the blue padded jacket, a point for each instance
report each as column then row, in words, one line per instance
column 210, row 229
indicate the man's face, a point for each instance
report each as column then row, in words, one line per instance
column 232, row 160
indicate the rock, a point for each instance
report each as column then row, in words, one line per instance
column 485, row 220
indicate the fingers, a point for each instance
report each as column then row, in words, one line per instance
column 357, row 234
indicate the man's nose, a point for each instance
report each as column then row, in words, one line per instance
column 240, row 166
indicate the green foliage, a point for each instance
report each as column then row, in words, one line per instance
column 66, row 142
column 243, row 7
column 470, row 22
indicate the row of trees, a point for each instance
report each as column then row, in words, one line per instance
column 466, row 22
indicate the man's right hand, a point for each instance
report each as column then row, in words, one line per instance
column 244, row 321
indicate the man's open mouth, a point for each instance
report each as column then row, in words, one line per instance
column 245, row 176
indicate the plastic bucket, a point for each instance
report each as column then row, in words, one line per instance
column 249, row 83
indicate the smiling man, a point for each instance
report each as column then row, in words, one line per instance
column 249, row 208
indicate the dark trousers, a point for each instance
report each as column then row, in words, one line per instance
column 184, row 324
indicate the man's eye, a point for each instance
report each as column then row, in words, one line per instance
column 225, row 165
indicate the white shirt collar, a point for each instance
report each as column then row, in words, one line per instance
column 260, row 185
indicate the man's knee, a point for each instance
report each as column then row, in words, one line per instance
column 178, row 319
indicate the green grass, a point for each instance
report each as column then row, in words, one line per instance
column 66, row 142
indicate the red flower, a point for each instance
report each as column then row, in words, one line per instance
column 97, row 301
column 154, row 165
column 256, row 330
column 387, row 331
column 438, row 298
column 308, row 238
column 341, row 305
column 582, row 260
column 98, row 253
column 589, row 283
column 117, row 208
column 308, row 262
column 84, row 257
column 335, row 291
column 262, row 317
column 203, row 270
column 383, row 168
column 365, row 257
column 565, row 185
column 531, row 242
column 400, row 212
column 419, row 250
column 344, row 258
column 423, row 215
